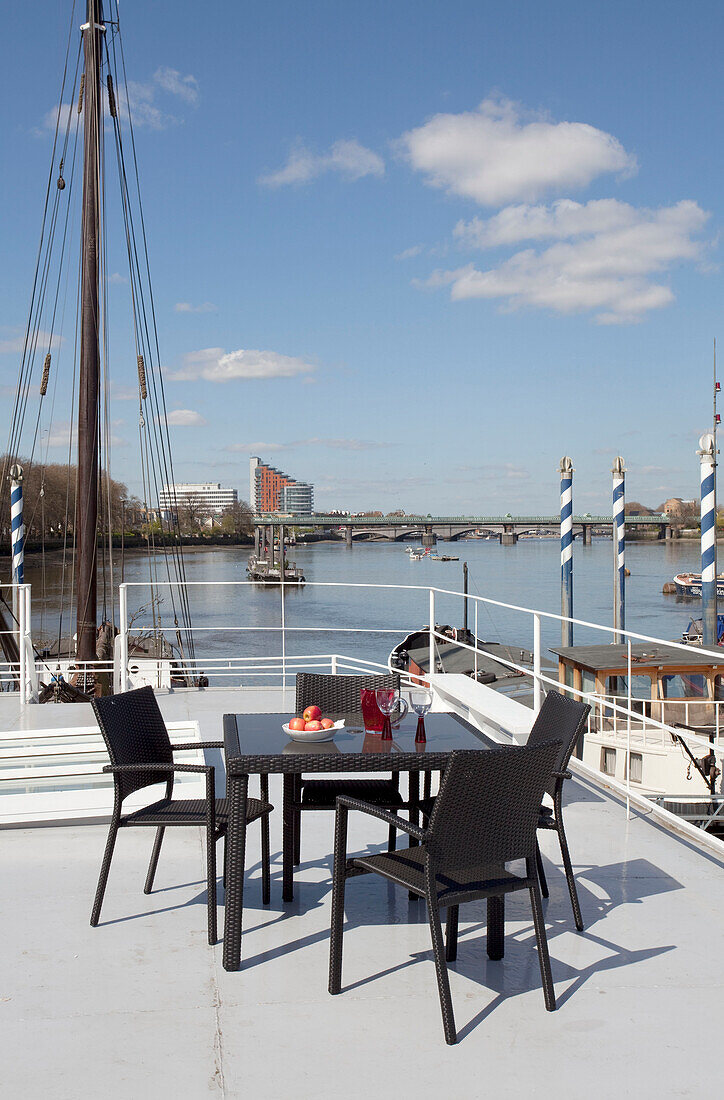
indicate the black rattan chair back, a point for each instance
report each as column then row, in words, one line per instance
column 339, row 694
column 562, row 719
column 488, row 805
column 135, row 733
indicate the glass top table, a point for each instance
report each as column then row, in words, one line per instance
column 256, row 744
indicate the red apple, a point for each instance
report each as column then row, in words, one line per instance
column 327, row 723
column 312, row 714
column 296, row 724
column 312, row 727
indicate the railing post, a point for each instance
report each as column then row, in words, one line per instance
column 22, row 651
column 334, row 662
column 123, row 616
column 431, row 645
column 628, row 729
column 476, row 641
column 284, row 626
column 537, row 692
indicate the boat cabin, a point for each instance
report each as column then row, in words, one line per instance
column 659, row 675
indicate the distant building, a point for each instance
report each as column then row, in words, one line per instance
column 209, row 499
column 271, row 490
column 675, row 506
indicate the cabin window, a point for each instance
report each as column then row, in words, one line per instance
column 618, row 685
column 588, row 682
column 719, row 687
column 683, row 686
column 636, row 767
column 608, row 761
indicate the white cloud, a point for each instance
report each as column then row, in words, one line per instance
column 349, row 158
column 334, row 444
column 603, row 259
column 59, row 434
column 217, row 365
column 15, row 343
column 50, row 120
column 495, row 155
column 116, row 279
column 186, row 87
column 184, row 418
column 409, row 253
column 187, row 307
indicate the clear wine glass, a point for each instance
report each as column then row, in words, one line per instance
column 420, row 701
column 387, row 701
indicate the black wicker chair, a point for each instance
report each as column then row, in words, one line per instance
column 563, row 719
column 341, row 695
column 142, row 755
column 485, row 815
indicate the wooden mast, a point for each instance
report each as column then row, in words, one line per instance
column 86, row 511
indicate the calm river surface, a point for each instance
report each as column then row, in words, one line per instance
column 527, row 574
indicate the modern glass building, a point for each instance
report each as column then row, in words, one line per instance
column 208, row 498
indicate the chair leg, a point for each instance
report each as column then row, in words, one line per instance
column 105, row 868
column 569, row 873
column 211, row 888
column 541, row 872
column 223, row 873
column 154, row 859
column 265, row 862
column 443, row 981
column 451, row 933
column 339, row 878
column 542, row 944
column 392, row 839
column 496, row 927
column 297, row 837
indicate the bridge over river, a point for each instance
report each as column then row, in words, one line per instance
column 427, row 529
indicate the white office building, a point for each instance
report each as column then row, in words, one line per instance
column 208, row 498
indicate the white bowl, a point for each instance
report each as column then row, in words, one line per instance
column 313, row 735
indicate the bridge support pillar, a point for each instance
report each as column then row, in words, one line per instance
column 257, row 540
column 429, row 537
column 348, row 536
column 668, row 532
column 586, row 534
column 509, row 537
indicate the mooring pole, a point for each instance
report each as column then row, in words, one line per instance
column 86, row 508
column 619, row 548
column 707, row 455
column 465, row 596
column 566, row 471
column 17, row 544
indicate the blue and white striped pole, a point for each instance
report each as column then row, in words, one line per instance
column 619, row 548
column 566, row 472
column 707, row 454
column 17, row 530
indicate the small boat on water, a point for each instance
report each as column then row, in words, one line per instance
column 269, row 572
column 689, row 584
column 442, row 557
column 694, row 633
column 418, row 553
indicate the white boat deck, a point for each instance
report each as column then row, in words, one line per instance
column 141, row 1006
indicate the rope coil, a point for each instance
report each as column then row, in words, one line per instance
column 81, row 90
column 46, row 374
column 111, row 97
column 142, row 377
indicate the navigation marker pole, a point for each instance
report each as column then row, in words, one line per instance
column 619, row 549
column 566, row 472
column 707, row 455
column 17, row 530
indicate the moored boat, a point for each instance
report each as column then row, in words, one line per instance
column 689, row 584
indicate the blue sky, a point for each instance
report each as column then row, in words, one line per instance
column 410, row 252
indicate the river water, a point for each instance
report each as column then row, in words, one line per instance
column 368, row 621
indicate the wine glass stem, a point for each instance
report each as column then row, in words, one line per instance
column 387, row 729
column 420, row 733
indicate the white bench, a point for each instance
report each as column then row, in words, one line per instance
column 495, row 713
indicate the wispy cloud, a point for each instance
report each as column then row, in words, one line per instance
column 116, row 279
column 146, row 100
column 409, row 253
column 218, row 365
column 184, row 418
column 14, row 342
column 333, row 444
column 188, row 307
column 500, row 153
column 349, row 158
column 604, row 258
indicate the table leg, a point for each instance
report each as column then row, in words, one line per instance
column 288, row 838
column 238, row 789
column 496, row 926
column 414, row 798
